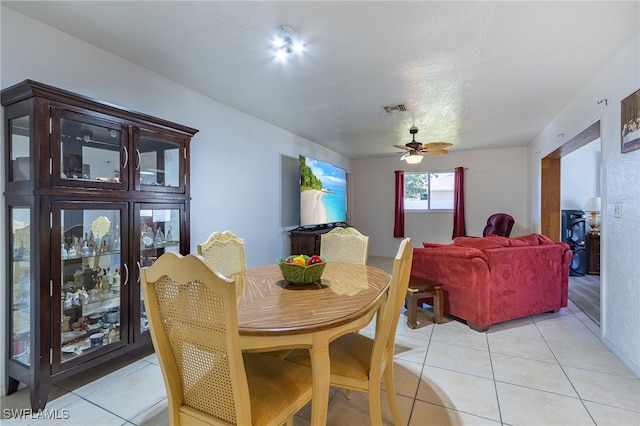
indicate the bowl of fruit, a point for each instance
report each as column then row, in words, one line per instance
column 302, row 269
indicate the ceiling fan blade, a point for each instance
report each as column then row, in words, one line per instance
column 435, row 152
column 402, row 147
column 435, row 145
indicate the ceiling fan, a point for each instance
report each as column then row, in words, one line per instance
column 415, row 150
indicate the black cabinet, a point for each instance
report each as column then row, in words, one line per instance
column 307, row 241
column 593, row 249
column 574, row 233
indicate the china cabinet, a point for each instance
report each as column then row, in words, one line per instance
column 93, row 192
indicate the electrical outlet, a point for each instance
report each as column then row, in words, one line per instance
column 617, row 210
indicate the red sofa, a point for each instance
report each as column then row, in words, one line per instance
column 494, row 279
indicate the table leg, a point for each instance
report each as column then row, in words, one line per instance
column 321, row 370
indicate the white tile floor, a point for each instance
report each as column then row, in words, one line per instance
column 548, row 369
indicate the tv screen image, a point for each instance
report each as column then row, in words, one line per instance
column 323, row 192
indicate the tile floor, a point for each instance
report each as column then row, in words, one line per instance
column 548, row 369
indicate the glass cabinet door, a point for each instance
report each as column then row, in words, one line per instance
column 160, row 162
column 93, row 279
column 20, row 283
column 161, row 231
column 19, row 143
column 88, row 151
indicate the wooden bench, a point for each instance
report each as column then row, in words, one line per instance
column 421, row 288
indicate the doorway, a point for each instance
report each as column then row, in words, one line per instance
column 584, row 291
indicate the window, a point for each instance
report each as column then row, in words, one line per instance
column 428, row 191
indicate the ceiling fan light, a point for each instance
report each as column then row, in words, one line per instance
column 413, row 159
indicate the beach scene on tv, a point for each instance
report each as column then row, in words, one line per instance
column 323, row 193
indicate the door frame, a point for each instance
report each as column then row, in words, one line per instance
column 550, row 172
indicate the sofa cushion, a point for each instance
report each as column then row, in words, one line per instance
column 504, row 241
column 544, row 240
column 432, row 245
column 525, row 240
column 481, row 243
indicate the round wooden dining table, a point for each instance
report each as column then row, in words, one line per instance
column 274, row 314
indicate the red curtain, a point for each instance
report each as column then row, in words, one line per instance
column 459, row 229
column 398, row 229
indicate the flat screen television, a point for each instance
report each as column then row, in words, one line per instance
column 323, row 193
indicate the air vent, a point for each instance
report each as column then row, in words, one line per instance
column 395, row 108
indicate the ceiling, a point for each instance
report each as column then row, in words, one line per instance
column 479, row 74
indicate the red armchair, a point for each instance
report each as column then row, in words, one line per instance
column 495, row 279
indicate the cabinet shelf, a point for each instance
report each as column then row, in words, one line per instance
column 91, row 257
column 168, row 244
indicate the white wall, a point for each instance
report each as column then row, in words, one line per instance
column 620, row 251
column 245, row 190
column 495, row 181
column 231, row 187
column 229, row 194
column 580, row 176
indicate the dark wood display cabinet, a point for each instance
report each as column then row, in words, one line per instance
column 94, row 192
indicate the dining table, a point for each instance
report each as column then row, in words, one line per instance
column 276, row 315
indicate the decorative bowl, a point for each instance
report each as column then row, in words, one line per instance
column 301, row 274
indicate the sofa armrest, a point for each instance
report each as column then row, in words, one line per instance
column 450, row 265
column 567, row 256
column 464, row 274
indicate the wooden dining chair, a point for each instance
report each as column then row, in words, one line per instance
column 360, row 363
column 346, row 245
column 193, row 321
column 225, row 252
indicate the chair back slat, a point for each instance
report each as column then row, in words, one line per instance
column 400, row 274
column 225, row 252
column 193, row 320
column 345, row 245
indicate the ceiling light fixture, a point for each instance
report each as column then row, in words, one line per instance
column 285, row 44
column 413, row 158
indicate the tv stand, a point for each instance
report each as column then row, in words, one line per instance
column 307, row 240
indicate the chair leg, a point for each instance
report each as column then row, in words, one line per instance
column 375, row 404
column 390, row 387
column 348, row 392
